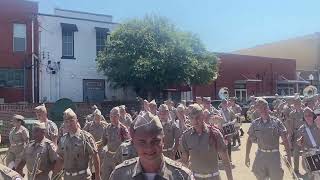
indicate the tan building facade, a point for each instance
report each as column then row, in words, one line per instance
column 305, row 50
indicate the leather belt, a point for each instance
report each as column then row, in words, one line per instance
column 76, row 173
column 16, row 144
column 198, row 175
column 272, row 150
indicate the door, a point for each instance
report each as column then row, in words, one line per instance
column 93, row 90
column 241, row 94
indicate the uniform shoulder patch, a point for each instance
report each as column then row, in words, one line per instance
column 127, row 163
column 172, row 162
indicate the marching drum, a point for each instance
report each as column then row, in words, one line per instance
column 313, row 162
column 228, row 129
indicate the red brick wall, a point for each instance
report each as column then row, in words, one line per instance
column 27, row 110
column 233, row 66
column 17, row 11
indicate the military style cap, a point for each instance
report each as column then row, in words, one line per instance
column 168, row 101
column 251, row 98
column 163, row 107
column 194, row 110
column 199, row 98
column 307, row 109
column 18, row 117
column 153, row 102
column 147, row 122
column 233, row 98
column 207, row 99
column 115, row 110
column 41, row 108
column 261, row 101
column 317, row 112
column 39, row 125
column 181, row 108
column 97, row 112
column 69, row 114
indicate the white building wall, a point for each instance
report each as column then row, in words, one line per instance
column 68, row 81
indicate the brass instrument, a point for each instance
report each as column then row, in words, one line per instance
column 295, row 177
column 310, row 91
column 99, row 144
column 35, row 169
column 224, row 93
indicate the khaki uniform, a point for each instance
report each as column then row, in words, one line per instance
column 8, row 174
column 125, row 151
column 18, row 141
column 76, row 151
column 97, row 130
column 51, row 130
column 172, row 134
column 126, row 120
column 47, row 154
column 203, row 151
column 115, row 135
column 132, row 170
column 267, row 162
column 294, row 123
column 308, row 149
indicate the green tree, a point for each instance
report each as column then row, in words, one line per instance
column 151, row 54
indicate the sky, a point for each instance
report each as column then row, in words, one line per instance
column 222, row 25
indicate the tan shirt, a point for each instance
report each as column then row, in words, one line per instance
column 46, row 152
column 266, row 135
column 125, row 151
column 132, row 170
column 115, row 136
column 51, row 130
column 76, row 150
column 126, row 120
column 171, row 134
column 96, row 129
column 315, row 131
column 295, row 121
column 8, row 174
column 18, row 139
column 202, row 150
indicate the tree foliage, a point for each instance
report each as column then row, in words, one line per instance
column 151, row 54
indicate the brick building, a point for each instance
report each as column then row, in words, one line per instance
column 252, row 75
column 18, row 50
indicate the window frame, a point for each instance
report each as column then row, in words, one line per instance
column 14, row 73
column 67, row 56
column 13, row 38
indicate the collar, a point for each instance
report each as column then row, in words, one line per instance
column 77, row 134
column 205, row 129
column 115, row 126
column 163, row 171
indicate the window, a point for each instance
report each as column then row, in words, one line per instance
column 68, row 40
column 101, row 36
column 11, row 78
column 19, row 37
column 67, row 44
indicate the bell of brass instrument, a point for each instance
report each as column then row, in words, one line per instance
column 224, row 93
column 310, row 91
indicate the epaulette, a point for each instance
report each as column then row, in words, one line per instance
column 173, row 163
column 127, row 163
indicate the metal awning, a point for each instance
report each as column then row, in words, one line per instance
column 247, row 80
column 103, row 30
column 293, row 82
column 69, row 27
